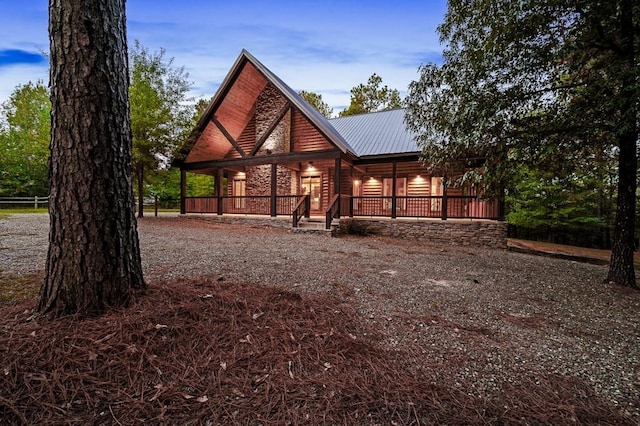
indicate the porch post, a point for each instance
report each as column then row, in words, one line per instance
column 394, row 201
column 444, row 196
column 351, row 192
column 274, row 189
column 183, row 190
column 336, row 182
column 218, row 190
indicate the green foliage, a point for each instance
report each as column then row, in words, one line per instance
column 161, row 115
column 315, row 100
column 523, row 82
column 543, row 83
column 542, row 199
column 25, row 127
column 166, row 185
column 372, row 97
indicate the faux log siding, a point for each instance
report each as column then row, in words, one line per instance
column 372, row 187
column 346, row 182
column 305, row 136
column 419, row 186
column 326, row 191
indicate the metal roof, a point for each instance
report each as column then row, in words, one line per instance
column 376, row 133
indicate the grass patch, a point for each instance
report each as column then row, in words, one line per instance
column 19, row 288
column 19, row 210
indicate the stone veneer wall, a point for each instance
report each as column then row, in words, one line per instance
column 487, row 233
column 474, row 233
column 268, row 104
column 258, row 180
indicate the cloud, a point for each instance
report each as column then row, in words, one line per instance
column 18, row 57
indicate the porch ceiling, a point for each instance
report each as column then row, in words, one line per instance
column 233, row 113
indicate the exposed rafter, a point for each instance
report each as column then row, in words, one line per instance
column 230, row 138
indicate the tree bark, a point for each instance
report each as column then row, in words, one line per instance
column 621, row 267
column 93, row 261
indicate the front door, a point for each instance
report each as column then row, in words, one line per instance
column 312, row 185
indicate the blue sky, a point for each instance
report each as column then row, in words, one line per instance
column 326, row 47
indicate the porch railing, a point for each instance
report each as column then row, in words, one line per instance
column 457, row 206
column 258, row 205
column 302, row 209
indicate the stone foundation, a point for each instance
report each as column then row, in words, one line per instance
column 472, row 233
column 248, row 221
column 487, row 233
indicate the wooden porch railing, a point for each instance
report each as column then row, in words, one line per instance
column 452, row 206
column 259, row 204
column 456, row 207
column 339, row 203
column 302, row 209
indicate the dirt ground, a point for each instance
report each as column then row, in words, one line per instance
column 264, row 326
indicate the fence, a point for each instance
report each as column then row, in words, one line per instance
column 24, row 202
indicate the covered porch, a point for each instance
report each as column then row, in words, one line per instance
column 336, row 187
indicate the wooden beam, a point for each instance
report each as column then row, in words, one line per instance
column 218, row 190
column 283, row 111
column 265, row 159
column 394, row 180
column 226, row 134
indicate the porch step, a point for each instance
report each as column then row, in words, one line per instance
column 316, row 226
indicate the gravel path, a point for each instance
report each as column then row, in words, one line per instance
column 502, row 316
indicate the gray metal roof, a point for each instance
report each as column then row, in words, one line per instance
column 376, row 133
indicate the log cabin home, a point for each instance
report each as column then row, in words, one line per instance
column 271, row 153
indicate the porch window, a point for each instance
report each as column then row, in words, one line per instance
column 437, row 190
column 401, row 191
column 239, row 193
column 312, row 186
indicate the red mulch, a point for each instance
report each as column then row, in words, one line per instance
column 208, row 352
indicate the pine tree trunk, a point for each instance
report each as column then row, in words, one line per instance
column 93, row 260
column 621, row 268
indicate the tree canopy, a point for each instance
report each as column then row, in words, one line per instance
column 315, row 100
column 372, row 97
column 24, row 141
column 160, row 112
column 544, row 83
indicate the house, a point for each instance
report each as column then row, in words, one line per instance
column 273, row 154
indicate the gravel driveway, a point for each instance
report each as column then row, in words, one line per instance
column 503, row 316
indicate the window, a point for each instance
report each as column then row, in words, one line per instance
column 239, row 193
column 437, row 190
column 401, row 191
column 312, row 185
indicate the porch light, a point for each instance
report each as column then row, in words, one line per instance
column 310, row 166
column 356, row 182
